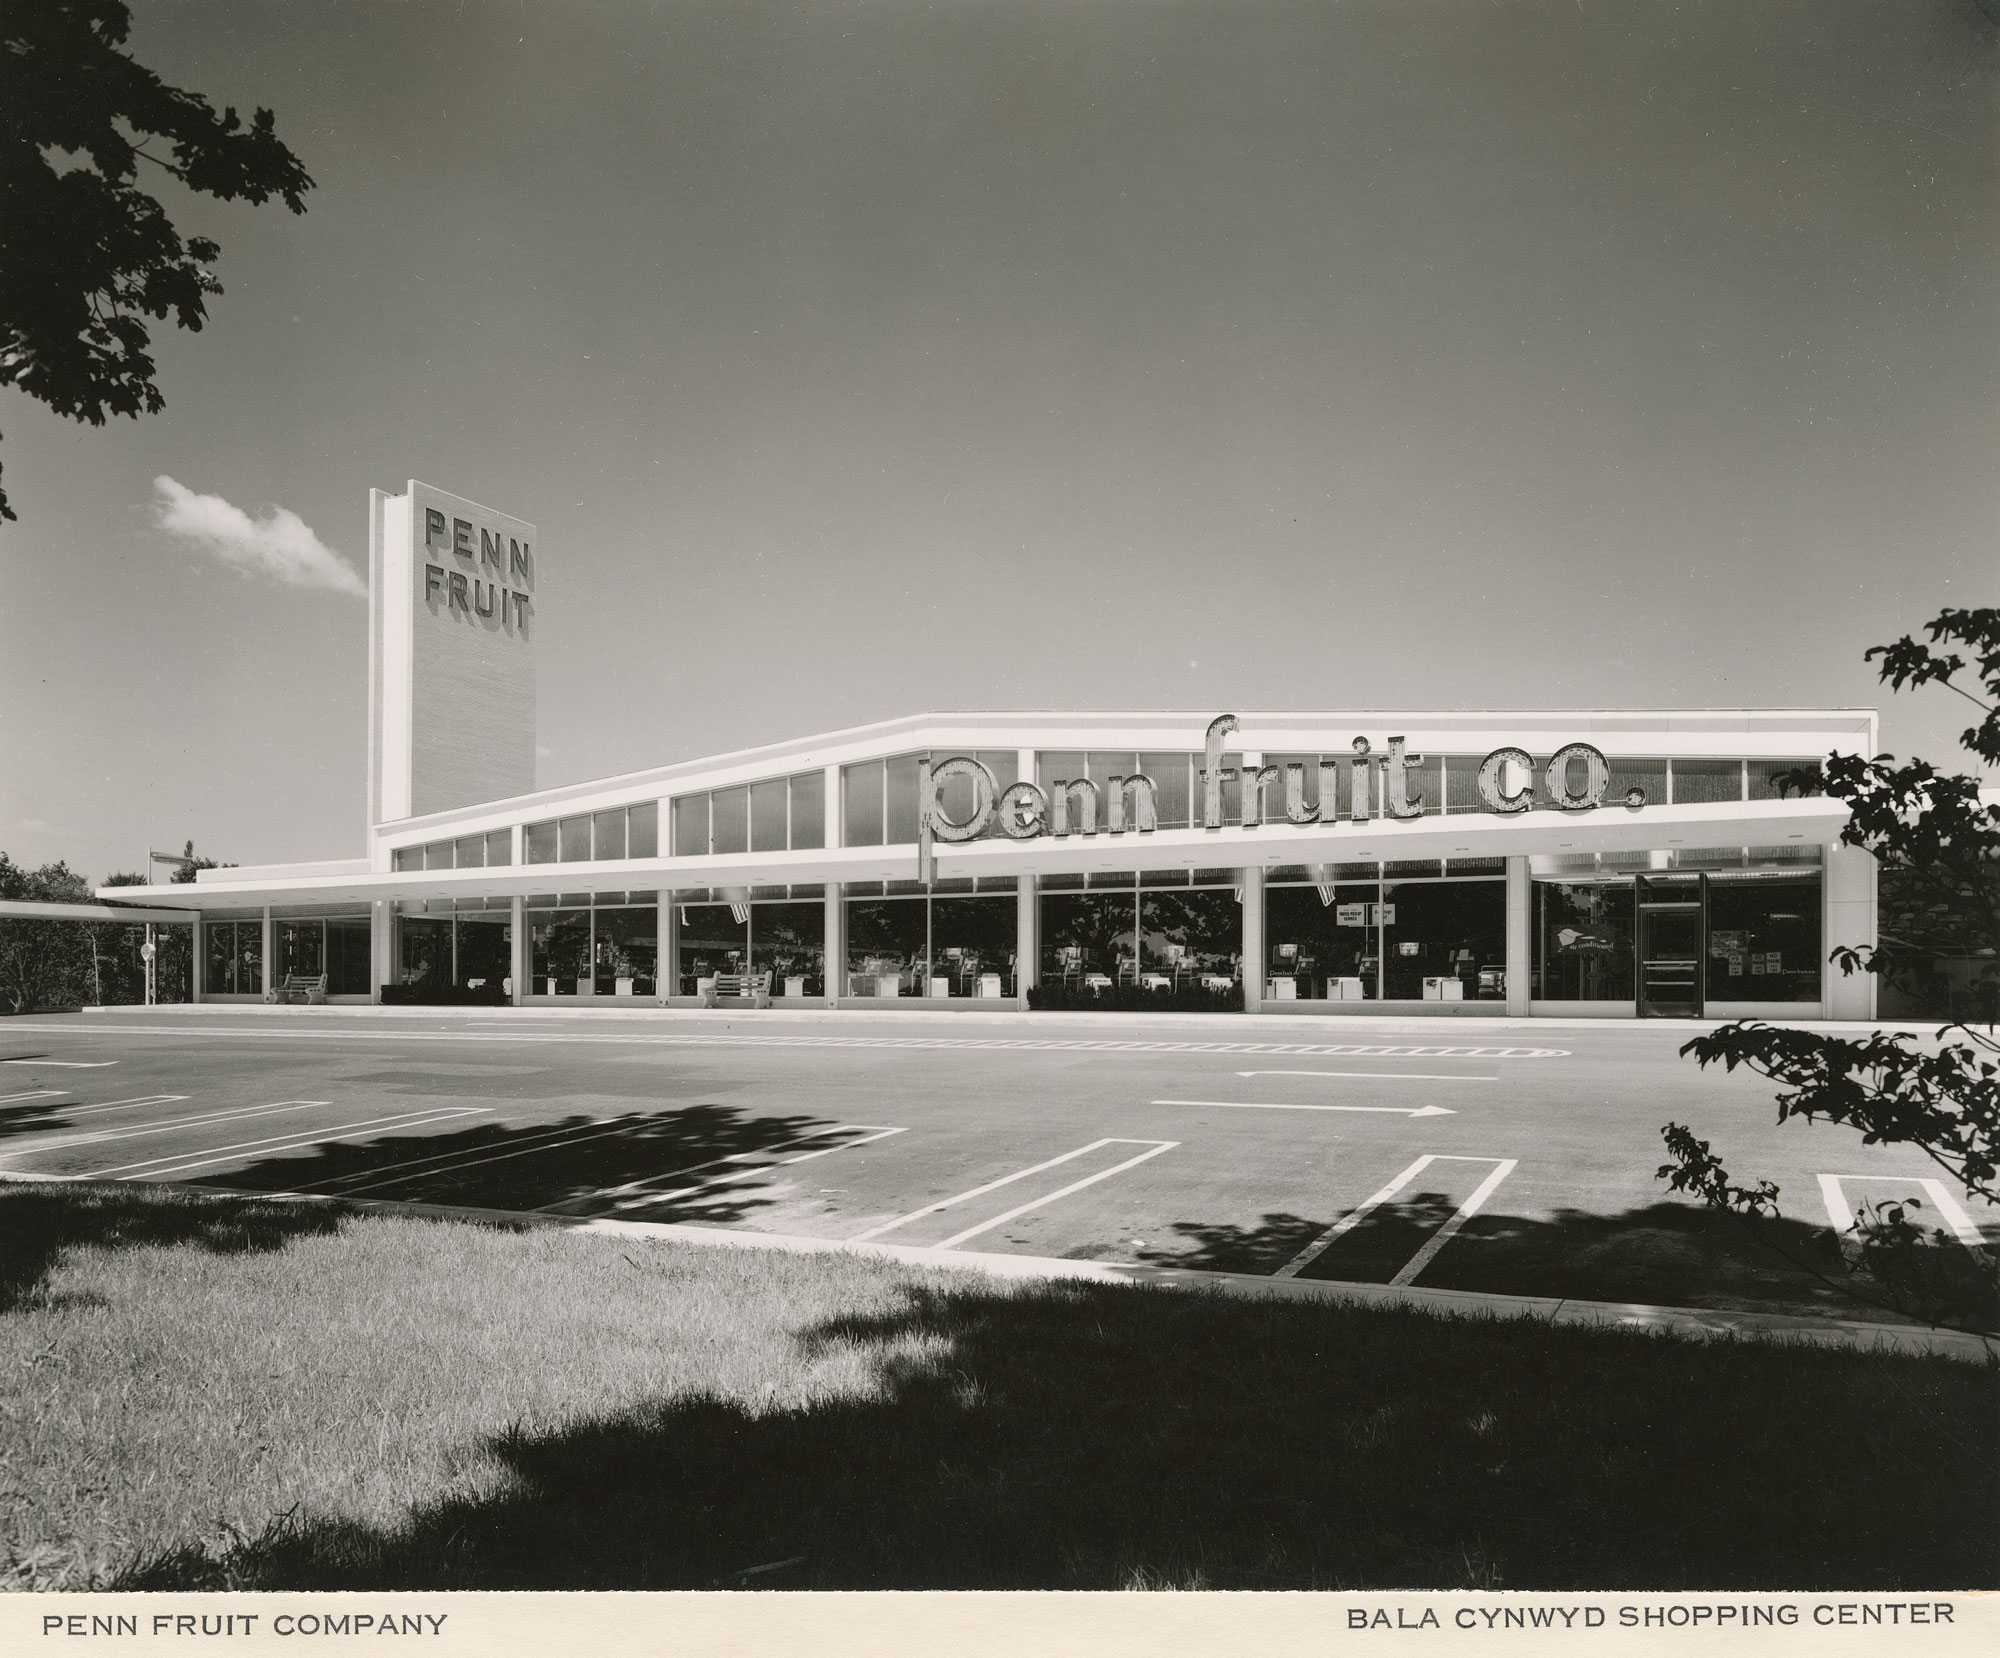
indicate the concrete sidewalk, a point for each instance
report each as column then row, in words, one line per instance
column 938, row 1019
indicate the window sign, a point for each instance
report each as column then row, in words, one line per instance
column 1351, row 915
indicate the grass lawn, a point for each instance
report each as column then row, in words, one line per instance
column 217, row 1393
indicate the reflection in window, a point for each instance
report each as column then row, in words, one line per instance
column 1445, row 933
column 788, row 941
column 424, row 952
column 711, row 941
column 643, row 836
column 539, row 840
column 1326, row 950
column 235, row 958
column 301, row 948
column 1767, row 779
column 573, row 840
column 348, row 956
column 887, row 947
column 559, row 942
column 626, row 950
column 1190, row 938
column 809, row 809
column 1583, row 941
column 607, row 833
column 1764, row 939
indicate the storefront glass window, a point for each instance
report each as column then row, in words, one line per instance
column 1190, row 937
column 559, row 941
column 768, row 813
column 1583, row 941
column 861, row 792
column 1088, row 939
column 788, row 941
column 690, row 819
column 1765, row 775
column 485, row 950
column 1703, row 782
column 643, row 838
column 627, row 950
column 886, row 947
column 899, row 817
column 712, row 941
column 1764, row 939
column 301, row 948
column 607, row 833
column 425, row 952
column 972, row 940
column 347, row 956
column 729, row 820
column 809, row 809
column 235, row 965
column 1326, row 950
column 1173, row 777
column 1447, row 941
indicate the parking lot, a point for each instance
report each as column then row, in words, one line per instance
column 1503, row 1157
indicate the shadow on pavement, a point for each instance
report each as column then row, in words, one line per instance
column 1667, row 1254
column 568, row 1166
column 1089, row 1437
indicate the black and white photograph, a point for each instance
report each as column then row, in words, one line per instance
column 869, row 824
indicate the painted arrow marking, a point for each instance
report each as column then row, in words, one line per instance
column 1372, row 1076
column 1265, row 1105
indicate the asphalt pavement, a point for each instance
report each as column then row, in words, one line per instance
column 1510, row 1157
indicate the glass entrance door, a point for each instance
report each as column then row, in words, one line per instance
column 1672, row 947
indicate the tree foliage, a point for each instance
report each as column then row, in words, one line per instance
column 56, row 964
column 87, row 255
column 1929, row 830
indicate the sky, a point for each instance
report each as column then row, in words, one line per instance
column 862, row 359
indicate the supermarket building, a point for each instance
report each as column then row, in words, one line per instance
column 1618, row 864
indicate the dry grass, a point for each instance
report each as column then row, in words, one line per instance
column 204, row 1393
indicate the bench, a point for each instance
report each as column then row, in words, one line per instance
column 303, row 987
column 754, row 988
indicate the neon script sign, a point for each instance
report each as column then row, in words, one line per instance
column 1023, row 811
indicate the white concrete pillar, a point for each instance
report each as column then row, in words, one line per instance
column 1027, row 938
column 1253, row 935
column 835, row 946
column 1850, row 919
column 667, row 953
column 1520, row 943
column 518, row 960
column 198, row 964
column 381, row 946
column 270, row 950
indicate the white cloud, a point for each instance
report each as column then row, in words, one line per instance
column 280, row 545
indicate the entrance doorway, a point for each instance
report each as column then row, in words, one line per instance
column 1673, row 945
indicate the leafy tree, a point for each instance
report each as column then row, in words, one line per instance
column 1933, row 835
column 87, row 254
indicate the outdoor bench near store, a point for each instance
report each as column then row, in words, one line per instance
column 754, row 988
column 301, row 987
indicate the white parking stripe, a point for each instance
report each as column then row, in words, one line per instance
column 1350, row 1220
column 140, row 1131
column 1008, row 1180
column 65, row 1064
column 652, row 1200
column 34, row 1094
column 1041, row 1202
column 1940, row 1194
column 125, row 1105
column 1267, row 1105
column 445, row 1162
column 981, row 1191
column 1443, row 1234
column 187, row 1162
